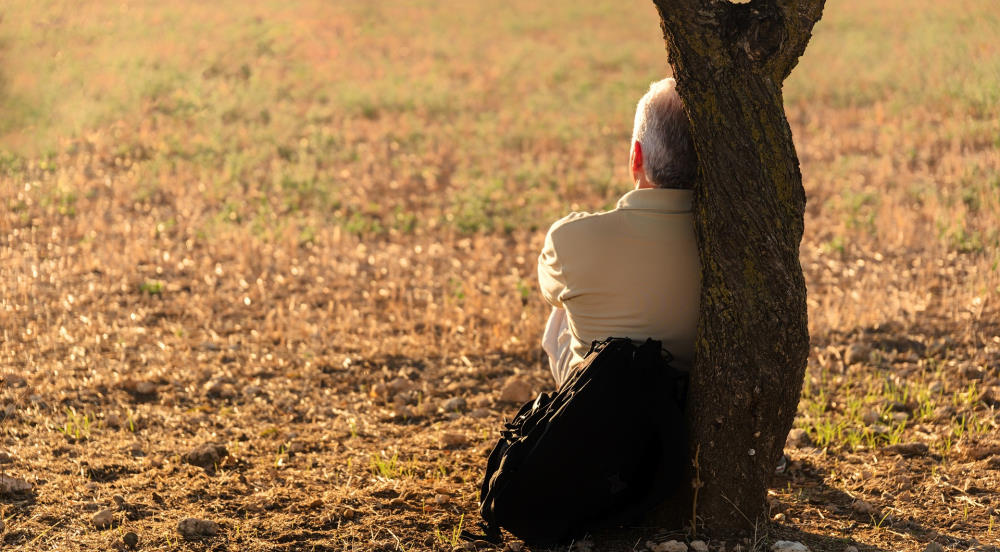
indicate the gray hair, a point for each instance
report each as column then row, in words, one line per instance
column 661, row 127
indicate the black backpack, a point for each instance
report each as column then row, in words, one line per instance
column 608, row 446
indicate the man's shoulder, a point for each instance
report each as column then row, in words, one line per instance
column 578, row 222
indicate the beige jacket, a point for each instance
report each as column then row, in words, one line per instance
column 629, row 272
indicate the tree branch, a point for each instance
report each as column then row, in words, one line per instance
column 769, row 35
column 798, row 18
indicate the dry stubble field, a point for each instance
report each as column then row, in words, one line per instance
column 305, row 232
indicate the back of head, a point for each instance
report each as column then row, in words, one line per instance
column 662, row 128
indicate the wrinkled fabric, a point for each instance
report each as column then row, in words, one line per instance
column 630, row 272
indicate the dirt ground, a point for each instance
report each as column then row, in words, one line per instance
column 274, row 267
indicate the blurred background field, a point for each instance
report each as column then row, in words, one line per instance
column 273, row 194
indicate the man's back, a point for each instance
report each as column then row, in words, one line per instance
column 630, row 272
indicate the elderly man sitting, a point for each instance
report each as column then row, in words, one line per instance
column 632, row 271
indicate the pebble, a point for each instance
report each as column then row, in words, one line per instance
column 145, row 388
column 130, row 539
column 13, row 485
column 400, row 385
column 102, row 519
column 880, row 429
column 192, row 528
column 798, row 438
column 220, row 390
column 379, row 391
column 515, row 390
column 480, row 413
column 112, row 420
column 698, row 546
column 851, row 548
column 453, row 439
column 668, row 546
column 857, row 353
column 427, row 408
column 934, row 547
column 453, row 404
column 862, row 507
column 206, row 456
column 908, row 449
column 441, row 499
column 14, row 380
column 6, row 458
column 788, row 546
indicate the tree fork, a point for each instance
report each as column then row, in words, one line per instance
column 730, row 61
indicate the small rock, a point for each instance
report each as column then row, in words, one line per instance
column 6, row 458
column 399, row 385
column 119, row 501
column 441, row 499
column 908, row 449
column 102, row 519
column 14, row 380
column 780, row 516
column 698, row 546
column 427, row 408
column 130, row 539
column 145, row 388
column 406, row 398
column 798, row 438
column 379, row 391
column 206, row 456
column 900, row 416
column 871, row 416
column 934, row 547
column 668, row 546
column 788, row 546
column 453, row 404
column 453, row 439
column 857, row 353
column 480, row 413
column 13, row 485
column 112, row 420
column 862, row 507
column 219, row 390
column 135, row 450
column 515, row 390
column 192, row 528
column 851, row 548
column 91, row 507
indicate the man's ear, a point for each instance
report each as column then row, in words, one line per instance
column 636, row 159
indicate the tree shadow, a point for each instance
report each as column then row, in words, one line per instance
column 835, row 506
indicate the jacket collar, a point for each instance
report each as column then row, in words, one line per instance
column 657, row 199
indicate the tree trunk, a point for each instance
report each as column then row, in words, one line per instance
column 730, row 61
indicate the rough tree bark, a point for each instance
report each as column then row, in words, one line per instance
column 730, row 61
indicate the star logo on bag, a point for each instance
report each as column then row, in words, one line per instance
column 617, row 485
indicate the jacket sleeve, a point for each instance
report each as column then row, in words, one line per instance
column 551, row 278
